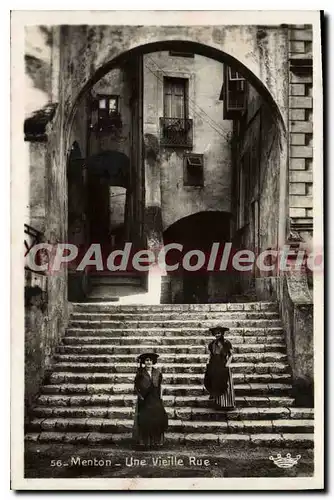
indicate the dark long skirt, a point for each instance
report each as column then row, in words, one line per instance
column 151, row 421
column 219, row 383
column 227, row 399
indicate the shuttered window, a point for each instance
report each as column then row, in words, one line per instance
column 175, row 98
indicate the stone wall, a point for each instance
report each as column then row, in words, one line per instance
column 259, row 151
column 37, row 152
column 46, row 309
column 301, row 131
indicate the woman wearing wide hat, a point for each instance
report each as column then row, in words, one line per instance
column 151, row 420
column 218, row 377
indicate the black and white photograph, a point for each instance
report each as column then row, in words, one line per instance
column 168, row 228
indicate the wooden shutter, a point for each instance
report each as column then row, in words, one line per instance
column 175, row 98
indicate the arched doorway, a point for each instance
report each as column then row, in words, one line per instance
column 198, row 232
column 107, row 207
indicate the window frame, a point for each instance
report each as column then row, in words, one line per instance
column 185, row 98
column 180, row 53
column 108, row 98
column 187, row 165
column 232, row 77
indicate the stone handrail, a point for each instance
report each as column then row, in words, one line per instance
column 296, row 307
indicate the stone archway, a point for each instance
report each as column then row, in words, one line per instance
column 260, row 55
column 249, row 57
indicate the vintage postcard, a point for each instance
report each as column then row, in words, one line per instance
column 167, row 247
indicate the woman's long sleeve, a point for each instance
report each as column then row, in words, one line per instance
column 137, row 391
column 160, row 383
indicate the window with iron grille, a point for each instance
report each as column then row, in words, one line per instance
column 175, row 126
column 193, row 173
column 233, row 93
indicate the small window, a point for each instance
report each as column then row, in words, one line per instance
column 233, row 93
column 108, row 105
column 178, row 53
column 113, row 105
column 105, row 113
column 193, row 170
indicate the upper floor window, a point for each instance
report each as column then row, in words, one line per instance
column 233, row 93
column 106, row 113
column 175, row 126
column 108, row 105
column 175, row 97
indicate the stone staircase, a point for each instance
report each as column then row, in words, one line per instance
column 89, row 396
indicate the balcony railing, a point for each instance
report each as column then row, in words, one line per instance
column 176, row 132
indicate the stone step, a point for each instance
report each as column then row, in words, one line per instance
column 107, row 293
column 156, row 341
column 232, row 306
column 171, row 371
column 205, row 323
column 247, row 357
column 120, row 378
column 170, row 332
column 87, row 348
column 181, row 316
column 250, row 389
column 120, row 400
column 187, row 413
column 285, row 440
column 115, row 280
column 275, row 363
column 253, row 353
column 186, row 426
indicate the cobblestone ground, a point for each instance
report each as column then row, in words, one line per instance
column 69, row 461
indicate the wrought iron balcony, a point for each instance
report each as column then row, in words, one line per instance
column 176, row 132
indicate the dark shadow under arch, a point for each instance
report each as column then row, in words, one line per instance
column 200, row 228
column 111, row 166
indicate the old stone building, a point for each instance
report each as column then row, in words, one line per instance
column 170, row 135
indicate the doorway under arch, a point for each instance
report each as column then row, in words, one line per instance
column 198, row 232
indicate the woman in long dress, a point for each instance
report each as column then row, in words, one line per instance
column 151, row 420
column 218, row 377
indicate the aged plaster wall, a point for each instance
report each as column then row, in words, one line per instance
column 211, row 135
column 46, row 313
column 261, row 140
column 37, row 152
column 296, row 308
column 41, row 66
column 115, row 82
